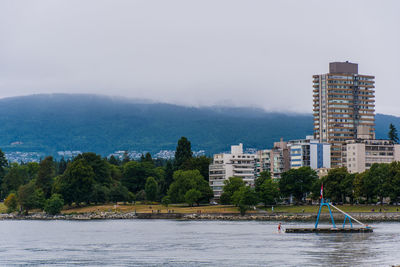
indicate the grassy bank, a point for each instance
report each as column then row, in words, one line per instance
column 182, row 208
column 150, row 208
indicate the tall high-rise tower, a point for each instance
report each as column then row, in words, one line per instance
column 344, row 103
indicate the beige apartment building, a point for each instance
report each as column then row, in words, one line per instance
column 361, row 153
column 343, row 100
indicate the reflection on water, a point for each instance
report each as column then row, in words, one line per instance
column 190, row 243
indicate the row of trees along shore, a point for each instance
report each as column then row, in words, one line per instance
column 91, row 179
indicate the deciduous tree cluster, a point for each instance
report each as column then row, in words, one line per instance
column 89, row 178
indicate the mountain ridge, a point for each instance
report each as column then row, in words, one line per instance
column 55, row 122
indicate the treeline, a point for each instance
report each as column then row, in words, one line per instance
column 91, row 179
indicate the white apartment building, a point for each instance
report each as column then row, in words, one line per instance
column 235, row 164
column 362, row 153
column 309, row 152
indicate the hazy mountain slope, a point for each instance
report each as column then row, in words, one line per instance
column 48, row 123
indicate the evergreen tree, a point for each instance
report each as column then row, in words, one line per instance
column 62, row 166
column 169, row 172
column 45, row 175
column 100, row 166
column 393, row 134
column 76, row 184
column 148, row 157
column 3, row 165
column 16, row 176
column 151, row 189
column 125, row 158
column 30, row 198
column 183, row 152
column 114, row 161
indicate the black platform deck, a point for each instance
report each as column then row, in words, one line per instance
column 328, row 230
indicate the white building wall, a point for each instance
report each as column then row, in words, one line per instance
column 235, row 164
column 327, row 156
column 314, row 156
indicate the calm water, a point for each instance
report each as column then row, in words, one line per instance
column 190, row 243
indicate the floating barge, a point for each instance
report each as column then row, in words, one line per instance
column 328, row 230
column 363, row 229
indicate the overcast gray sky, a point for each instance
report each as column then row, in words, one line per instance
column 205, row 52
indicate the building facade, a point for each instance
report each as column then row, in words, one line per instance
column 234, row 164
column 343, row 100
column 361, row 153
column 309, row 152
column 275, row 160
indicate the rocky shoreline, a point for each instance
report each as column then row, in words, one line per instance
column 362, row 216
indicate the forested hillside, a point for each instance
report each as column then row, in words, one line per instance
column 49, row 123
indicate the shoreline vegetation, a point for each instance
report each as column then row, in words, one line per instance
column 89, row 184
column 365, row 213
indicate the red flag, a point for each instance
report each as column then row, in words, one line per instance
column 322, row 191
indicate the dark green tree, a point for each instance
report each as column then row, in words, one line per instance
column 333, row 184
column 244, row 198
column 76, row 184
column 116, row 173
column 379, row 175
column 54, row 204
column 201, row 163
column 61, row 166
column 114, row 161
column 46, row 173
column 29, row 197
column 192, row 196
column 268, row 192
column 16, row 176
column 183, row 152
column 135, row 175
column 33, row 169
column 373, row 183
column 100, row 194
column 393, row 134
column 3, row 166
column 125, row 158
column 151, row 189
column 232, row 185
column 169, row 173
column 348, row 187
column 119, row 193
column 166, row 200
column 148, row 157
column 394, row 177
column 297, row 182
column 186, row 180
column 264, row 176
column 100, row 167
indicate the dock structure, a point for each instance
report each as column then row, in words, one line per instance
column 328, row 230
column 364, row 228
